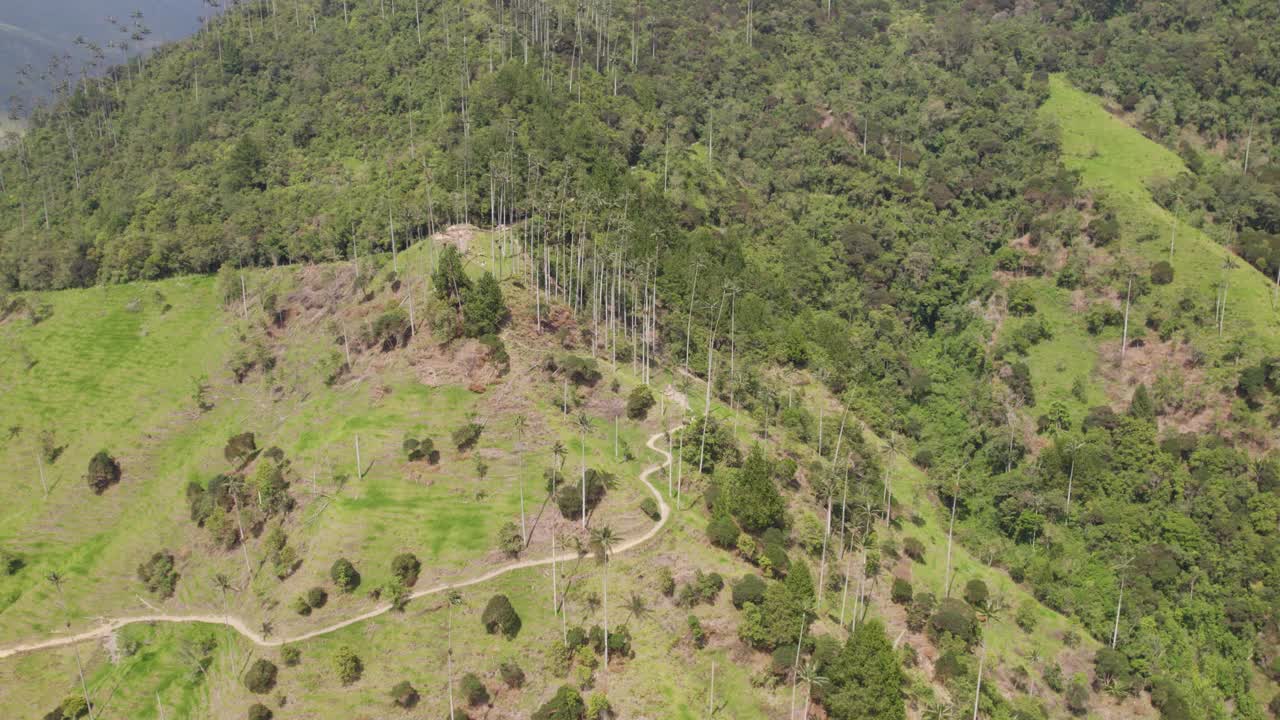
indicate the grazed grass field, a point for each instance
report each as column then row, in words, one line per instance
column 393, row 507
column 1120, row 164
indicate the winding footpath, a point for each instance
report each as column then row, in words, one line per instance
column 110, row 626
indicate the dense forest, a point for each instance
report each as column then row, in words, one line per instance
column 836, row 183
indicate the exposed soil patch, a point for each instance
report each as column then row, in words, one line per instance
column 1192, row 404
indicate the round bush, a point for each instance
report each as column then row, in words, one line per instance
column 291, row 655
column 913, row 548
column 317, row 597
column 473, row 690
column 976, row 593
column 1078, row 698
column 500, row 616
column 639, row 402
column 722, row 532
column 406, row 567
column 103, row 472
column 404, row 695
column 901, row 591
column 1161, row 273
column 957, row 618
column 566, row 704
column 344, row 575
column 511, row 674
column 750, row 589
column 650, row 508
column 348, row 665
column 258, row 711
column 776, row 556
column 948, row 666
column 261, row 676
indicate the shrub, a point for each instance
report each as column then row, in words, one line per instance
column 1022, row 299
column 901, row 591
column 1025, row 616
column 420, row 449
column 1161, row 273
column 348, row 665
column 1103, row 230
column 261, row 676
column 722, row 532
column 948, row 666
column 258, row 711
column 511, row 674
column 913, row 548
column 103, row 472
column 1077, row 697
column 696, row 634
column 783, row 659
column 580, row 371
column 598, row 706
column 344, row 575
column 389, row 330
column 956, row 618
column 466, row 436
column 291, row 655
column 569, row 496
column 1168, row 697
column 497, row 352
column 300, row 606
column 317, row 597
column 774, row 559
column 239, row 448
column 575, row 637
column 976, row 593
column 483, row 310
column 566, row 704
column 473, row 690
column 619, row 640
column 1053, row 678
column 71, row 708
column 639, row 402
column 666, row 582
column 509, row 539
column 704, row 588
column 499, row 615
column 649, row 507
column 922, row 605
column 158, row 575
column 1110, row 664
column 404, row 695
column 10, row 563
column 750, row 589
column 406, row 567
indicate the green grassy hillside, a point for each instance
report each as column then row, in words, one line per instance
column 1119, row 166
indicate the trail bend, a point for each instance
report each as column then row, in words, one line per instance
column 110, row 625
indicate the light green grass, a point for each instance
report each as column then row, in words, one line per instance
column 1121, row 165
column 1071, row 354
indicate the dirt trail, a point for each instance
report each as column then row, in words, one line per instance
column 110, row 626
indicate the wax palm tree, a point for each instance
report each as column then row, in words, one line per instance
column 584, row 424
column 452, row 599
column 519, row 426
column 938, row 710
column 559, row 452
column 604, row 539
column 636, row 608
column 223, row 583
column 56, row 580
column 809, row 674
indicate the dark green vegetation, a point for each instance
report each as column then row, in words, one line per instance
column 874, row 197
